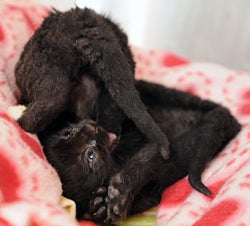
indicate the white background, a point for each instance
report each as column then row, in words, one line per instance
column 201, row 30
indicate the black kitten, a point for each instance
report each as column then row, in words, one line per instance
column 80, row 62
column 80, row 151
column 131, row 178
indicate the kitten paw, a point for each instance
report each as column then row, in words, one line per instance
column 98, row 205
column 118, row 200
column 110, row 205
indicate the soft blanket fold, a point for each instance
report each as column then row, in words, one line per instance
column 30, row 189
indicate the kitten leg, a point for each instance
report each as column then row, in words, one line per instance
column 116, row 71
column 115, row 203
column 48, row 101
column 148, row 197
column 201, row 143
column 124, row 186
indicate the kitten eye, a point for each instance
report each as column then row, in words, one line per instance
column 91, row 156
column 66, row 133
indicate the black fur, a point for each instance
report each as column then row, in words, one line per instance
column 68, row 145
column 131, row 178
column 80, row 62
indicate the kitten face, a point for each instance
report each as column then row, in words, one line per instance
column 81, row 154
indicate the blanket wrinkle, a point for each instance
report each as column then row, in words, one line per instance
column 30, row 189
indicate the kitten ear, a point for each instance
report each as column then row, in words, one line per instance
column 112, row 140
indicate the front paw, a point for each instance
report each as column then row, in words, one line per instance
column 98, row 206
column 110, row 205
column 119, row 199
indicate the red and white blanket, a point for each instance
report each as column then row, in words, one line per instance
column 30, row 189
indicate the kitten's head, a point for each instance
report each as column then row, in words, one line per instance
column 81, row 154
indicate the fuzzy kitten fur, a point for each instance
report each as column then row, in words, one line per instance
column 108, row 182
column 80, row 62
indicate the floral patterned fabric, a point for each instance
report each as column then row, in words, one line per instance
column 30, row 189
column 228, row 175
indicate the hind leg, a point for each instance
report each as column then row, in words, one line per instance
column 195, row 148
column 203, row 140
column 201, row 143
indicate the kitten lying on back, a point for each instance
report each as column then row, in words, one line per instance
column 129, row 176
